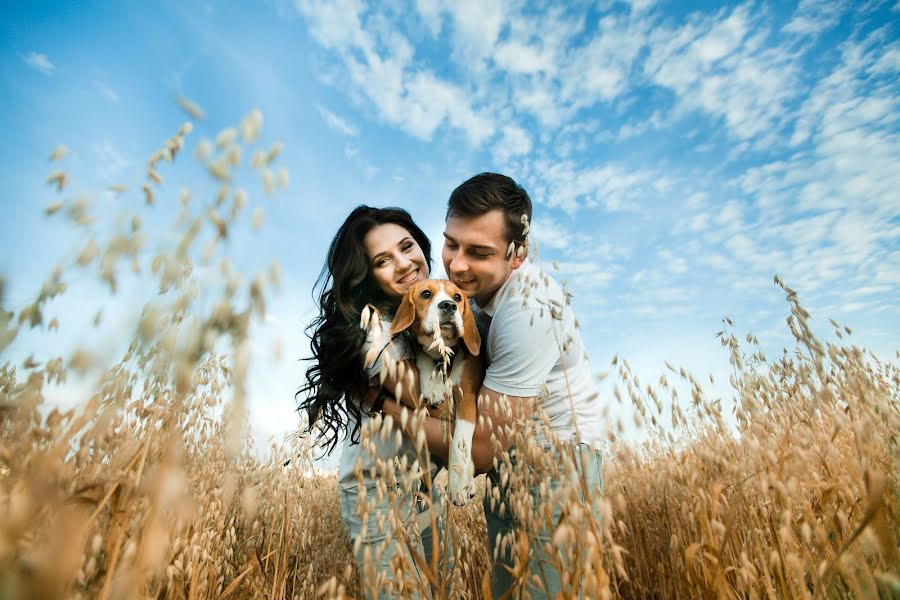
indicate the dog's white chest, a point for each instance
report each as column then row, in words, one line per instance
column 434, row 385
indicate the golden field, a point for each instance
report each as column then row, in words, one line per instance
column 150, row 488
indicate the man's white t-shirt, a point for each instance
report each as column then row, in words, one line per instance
column 378, row 338
column 533, row 349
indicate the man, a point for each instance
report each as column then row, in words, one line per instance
column 534, row 354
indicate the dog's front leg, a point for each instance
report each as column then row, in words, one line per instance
column 462, row 469
column 430, row 380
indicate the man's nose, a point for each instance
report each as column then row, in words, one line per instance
column 457, row 264
column 447, row 307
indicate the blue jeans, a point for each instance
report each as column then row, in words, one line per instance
column 382, row 543
column 587, row 461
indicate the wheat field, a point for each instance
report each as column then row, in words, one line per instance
column 149, row 487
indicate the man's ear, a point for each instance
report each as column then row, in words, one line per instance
column 405, row 315
column 471, row 337
column 518, row 252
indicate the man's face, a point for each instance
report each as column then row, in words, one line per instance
column 474, row 254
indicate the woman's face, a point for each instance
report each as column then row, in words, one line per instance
column 396, row 261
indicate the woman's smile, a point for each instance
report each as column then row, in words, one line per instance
column 412, row 277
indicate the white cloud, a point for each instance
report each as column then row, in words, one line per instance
column 111, row 162
column 109, row 93
column 476, row 27
column 812, row 17
column 379, row 62
column 720, row 66
column 675, row 264
column 550, row 234
column 716, row 260
column 565, row 184
column 517, row 57
column 514, row 141
column 39, row 62
column 731, row 215
column 640, row 126
column 638, row 6
column 431, row 13
column 430, row 101
column 584, row 278
column 370, row 171
column 600, row 71
column 334, row 24
column 828, row 207
column 337, row 123
column 698, row 222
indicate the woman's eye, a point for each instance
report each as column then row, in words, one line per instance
column 457, row 297
column 426, row 294
column 407, row 246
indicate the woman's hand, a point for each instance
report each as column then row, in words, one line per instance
column 393, row 408
column 441, row 411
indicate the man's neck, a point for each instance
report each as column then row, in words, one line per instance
column 485, row 299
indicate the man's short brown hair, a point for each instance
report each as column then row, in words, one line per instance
column 492, row 191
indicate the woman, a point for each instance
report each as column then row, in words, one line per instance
column 374, row 258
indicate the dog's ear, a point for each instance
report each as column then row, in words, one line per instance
column 471, row 337
column 405, row 315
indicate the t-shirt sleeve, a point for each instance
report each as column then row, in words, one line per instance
column 379, row 347
column 523, row 351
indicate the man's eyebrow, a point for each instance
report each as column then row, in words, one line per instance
column 481, row 247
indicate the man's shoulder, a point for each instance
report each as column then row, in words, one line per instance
column 531, row 288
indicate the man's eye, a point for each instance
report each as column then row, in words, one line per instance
column 426, row 294
column 457, row 297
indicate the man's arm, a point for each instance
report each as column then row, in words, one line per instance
column 406, row 375
column 499, row 416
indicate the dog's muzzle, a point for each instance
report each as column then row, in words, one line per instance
column 447, row 307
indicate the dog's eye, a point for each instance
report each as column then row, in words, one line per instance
column 457, row 297
column 426, row 294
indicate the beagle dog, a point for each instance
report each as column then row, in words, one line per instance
column 437, row 313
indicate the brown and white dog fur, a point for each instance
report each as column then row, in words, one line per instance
column 438, row 305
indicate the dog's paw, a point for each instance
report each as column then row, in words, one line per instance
column 461, row 486
column 433, row 391
column 462, row 470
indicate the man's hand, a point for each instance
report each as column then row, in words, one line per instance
column 495, row 421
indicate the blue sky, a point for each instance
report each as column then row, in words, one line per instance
column 679, row 154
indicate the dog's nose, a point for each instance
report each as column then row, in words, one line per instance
column 447, row 306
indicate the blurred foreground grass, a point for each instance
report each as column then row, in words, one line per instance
column 149, row 487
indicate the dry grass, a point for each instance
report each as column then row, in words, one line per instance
column 149, row 488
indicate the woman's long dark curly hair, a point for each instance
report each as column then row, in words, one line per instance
column 336, row 374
